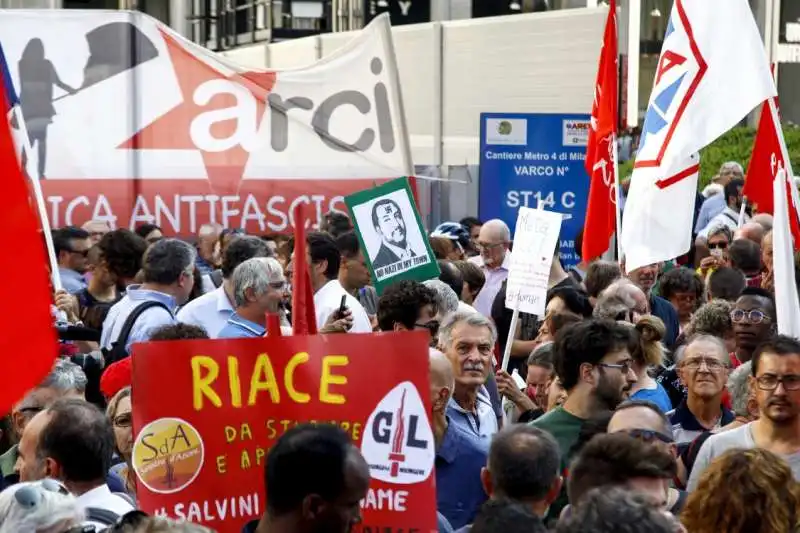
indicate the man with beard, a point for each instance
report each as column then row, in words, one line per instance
column 776, row 382
column 704, row 372
column 754, row 321
column 595, row 367
column 390, row 225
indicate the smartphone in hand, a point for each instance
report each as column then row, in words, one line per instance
column 342, row 307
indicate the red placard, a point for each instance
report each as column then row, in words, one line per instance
column 206, row 412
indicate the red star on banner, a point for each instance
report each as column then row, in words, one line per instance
column 171, row 131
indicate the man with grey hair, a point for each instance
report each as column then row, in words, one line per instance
column 467, row 339
column 622, row 300
column 494, row 241
column 168, row 269
column 212, row 310
column 66, row 379
column 460, row 454
column 743, row 401
column 446, row 298
column 258, row 287
column 704, row 371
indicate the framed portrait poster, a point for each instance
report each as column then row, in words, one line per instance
column 390, row 230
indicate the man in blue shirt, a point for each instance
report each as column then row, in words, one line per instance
column 212, row 310
column 168, row 267
column 468, row 338
column 460, row 454
column 258, row 285
column 72, row 250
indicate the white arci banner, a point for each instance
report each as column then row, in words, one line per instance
column 693, row 102
column 131, row 123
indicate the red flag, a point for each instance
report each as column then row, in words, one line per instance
column 304, row 318
column 765, row 162
column 273, row 325
column 30, row 300
column 600, row 222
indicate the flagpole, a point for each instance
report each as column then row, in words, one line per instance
column 35, row 180
column 617, row 194
column 742, row 210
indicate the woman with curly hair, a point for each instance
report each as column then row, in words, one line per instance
column 744, row 491
column 684, row 289
column 714, row 318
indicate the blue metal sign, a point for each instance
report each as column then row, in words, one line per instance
column 531, row 158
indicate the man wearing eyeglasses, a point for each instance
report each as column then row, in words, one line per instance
column 595, row 367
column 494, row 241
column 645, row 421
column 704, row 372
column 776, row 382
column 754, row 321
column 72, row 249
column 258, row 285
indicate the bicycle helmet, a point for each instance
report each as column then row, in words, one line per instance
column 455, row 232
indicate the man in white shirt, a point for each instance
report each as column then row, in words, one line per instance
column 494, row 242
column 72, row 442
column 211, row 311
column 324, row 259
column 729, row 216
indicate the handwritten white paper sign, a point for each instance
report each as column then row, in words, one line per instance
column 535, row 240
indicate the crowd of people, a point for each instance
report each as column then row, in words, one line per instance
column 654, row 400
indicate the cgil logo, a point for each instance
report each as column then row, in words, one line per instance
column 398, row 444
column 283, row 110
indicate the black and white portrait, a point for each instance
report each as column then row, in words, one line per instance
column 391, row 234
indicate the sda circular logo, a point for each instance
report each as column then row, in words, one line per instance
column 167, row 455
column 504, row 127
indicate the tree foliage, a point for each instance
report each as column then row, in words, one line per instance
column 736, row 145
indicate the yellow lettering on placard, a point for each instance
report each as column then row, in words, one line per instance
column 222, row 465
column 288, row 376
column 328, row 379
column 234, row 383
column 263, row 379
column 201, row 383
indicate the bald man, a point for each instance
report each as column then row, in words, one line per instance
column 765, row 219
column 752, row 231
column 460, row 456
column 494, row 241
column 96, row 230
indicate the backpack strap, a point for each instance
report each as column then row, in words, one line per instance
column 101, row 516
column 127, row 327
column 117, row 350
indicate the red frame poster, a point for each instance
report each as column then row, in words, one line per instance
column 207, row 411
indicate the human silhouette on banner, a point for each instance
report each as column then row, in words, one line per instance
column 37, row 77
column 114, row 48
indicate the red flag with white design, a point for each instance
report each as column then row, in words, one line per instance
column 600, row 222
column 767, row 160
